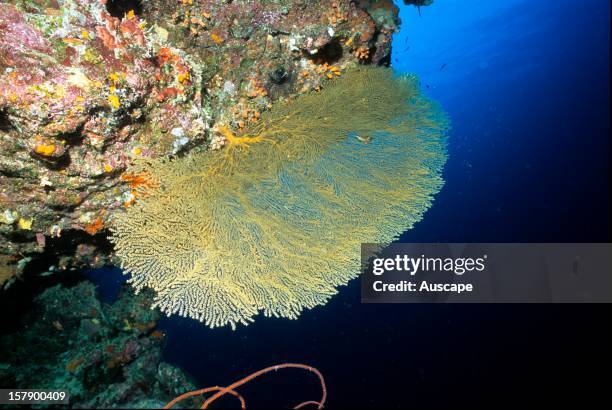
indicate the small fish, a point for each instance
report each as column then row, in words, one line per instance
column 443, row 67
column 364, row 138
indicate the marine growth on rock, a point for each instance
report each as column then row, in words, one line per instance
column 87, row 87
column 273, row 222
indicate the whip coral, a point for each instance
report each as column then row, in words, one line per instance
column 231, row 389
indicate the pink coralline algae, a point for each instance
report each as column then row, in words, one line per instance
column 81, row 98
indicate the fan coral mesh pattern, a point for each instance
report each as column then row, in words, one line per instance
column 275, row 220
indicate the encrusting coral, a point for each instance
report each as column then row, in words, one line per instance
column 273, row 222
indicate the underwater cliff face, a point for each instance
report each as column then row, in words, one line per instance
column 89, row 86
column 106, row 356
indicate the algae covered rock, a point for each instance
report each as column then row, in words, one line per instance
column 106, row 356
column 83, row 93
column 87, row 87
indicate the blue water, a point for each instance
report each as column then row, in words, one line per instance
column 527, row 88
column 525, row 83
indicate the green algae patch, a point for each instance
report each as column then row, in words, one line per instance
column 273, row 222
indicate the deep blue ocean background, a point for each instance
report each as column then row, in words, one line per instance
column 526, row 86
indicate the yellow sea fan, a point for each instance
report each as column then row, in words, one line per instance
column 273, row 222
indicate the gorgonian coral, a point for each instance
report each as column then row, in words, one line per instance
column 274, row 221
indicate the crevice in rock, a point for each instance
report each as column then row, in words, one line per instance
column 19, row 296
column 5, row 122
column 54, row 164
column 119, row 8
column 330, row 53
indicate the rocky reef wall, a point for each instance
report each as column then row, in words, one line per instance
column 87, row 87
column 105, row 355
